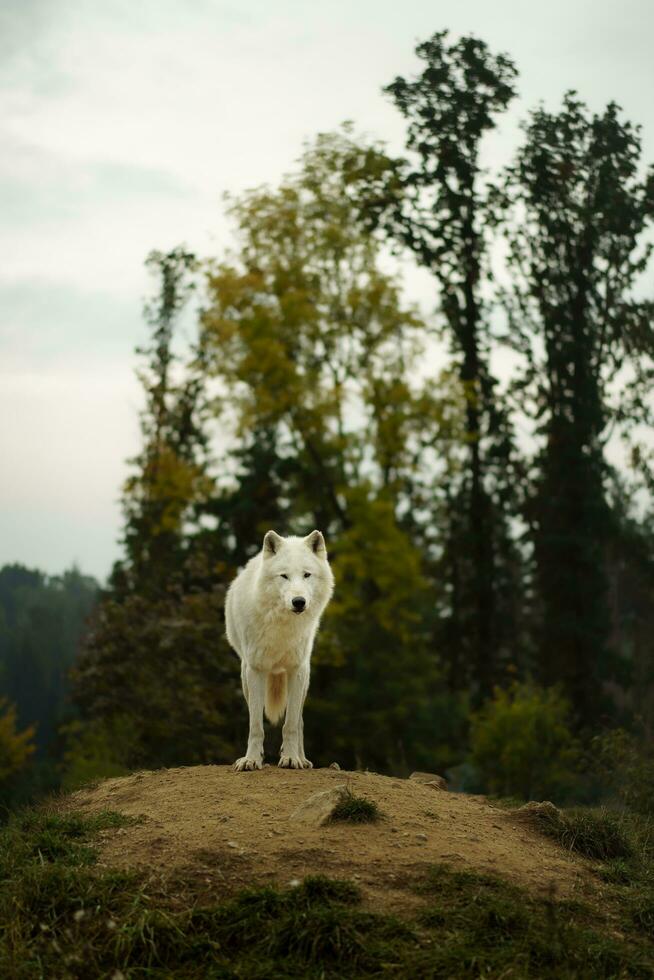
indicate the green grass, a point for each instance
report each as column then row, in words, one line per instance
column 63, row 917
column 356, row 809
column 497, row 930
column 594, row 833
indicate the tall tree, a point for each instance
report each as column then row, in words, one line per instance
column 170, row 472
column 155, row 683
column 443, row 217
column 580, row 208
column 311, row 340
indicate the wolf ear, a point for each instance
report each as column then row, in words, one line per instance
column 316, row 542
column 272, row 542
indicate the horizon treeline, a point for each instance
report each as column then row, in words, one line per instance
column 485, row 548
column 42, row 620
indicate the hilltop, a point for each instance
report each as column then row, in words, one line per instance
column 227, row 830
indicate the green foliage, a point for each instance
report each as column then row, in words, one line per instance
column 578, row 246
column 374, row 639
column 444, row 217
column 169, row 478
column 42, row 620
column 356, row 809
column 303, row 326
column 157, row 679
column 624, row 763
column 96, row 750
column 522, row 743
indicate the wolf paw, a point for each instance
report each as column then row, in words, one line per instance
column 294, row 762
column 247, row 765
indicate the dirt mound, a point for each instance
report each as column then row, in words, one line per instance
column 232, row 829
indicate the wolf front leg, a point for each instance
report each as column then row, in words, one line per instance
column 254, row 689
column 305, row 762
column 292, row 754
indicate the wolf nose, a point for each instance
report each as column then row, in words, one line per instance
column 298, row 603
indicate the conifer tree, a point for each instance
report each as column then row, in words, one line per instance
column 170, row 471
column 580, row 210
column 443, row 217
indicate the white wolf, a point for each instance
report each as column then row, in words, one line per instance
column 272, row 611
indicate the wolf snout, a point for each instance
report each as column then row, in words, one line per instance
column 298, row 604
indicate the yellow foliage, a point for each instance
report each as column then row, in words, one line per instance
column 171, row 482
column 16, row 748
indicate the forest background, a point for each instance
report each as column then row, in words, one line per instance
column 490, row 527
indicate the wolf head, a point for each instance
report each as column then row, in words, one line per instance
column 296, row 573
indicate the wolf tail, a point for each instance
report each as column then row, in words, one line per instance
column 276, row 692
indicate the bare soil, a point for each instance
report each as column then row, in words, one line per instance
column 226, row 830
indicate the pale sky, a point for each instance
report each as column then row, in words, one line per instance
column 122, row 124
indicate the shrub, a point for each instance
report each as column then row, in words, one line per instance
column 624, row 764
column 522, row 744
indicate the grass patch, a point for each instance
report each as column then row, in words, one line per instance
column 64, row 917
column 356, row 809
column 494, row 929
column 594, row 833
column 618, row 872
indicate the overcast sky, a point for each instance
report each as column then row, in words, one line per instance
column 123, row 123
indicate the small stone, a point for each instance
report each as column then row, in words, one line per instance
column 534, row 809
column 294, row 883
column 422, row 837
column 79, row 915
column 429, row 779
column 232, row 843
column 318, row 808
column 334, row 765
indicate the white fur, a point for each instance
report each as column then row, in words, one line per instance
column 273, row 641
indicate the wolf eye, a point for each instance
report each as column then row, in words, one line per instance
column 307, row 574
column 284, row 576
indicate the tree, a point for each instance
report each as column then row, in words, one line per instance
column 577, row 250
column 156, row 684
column 170, row 476
column 42, row 622
column 312, row 343
column 15, row 747
column 443, row 217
